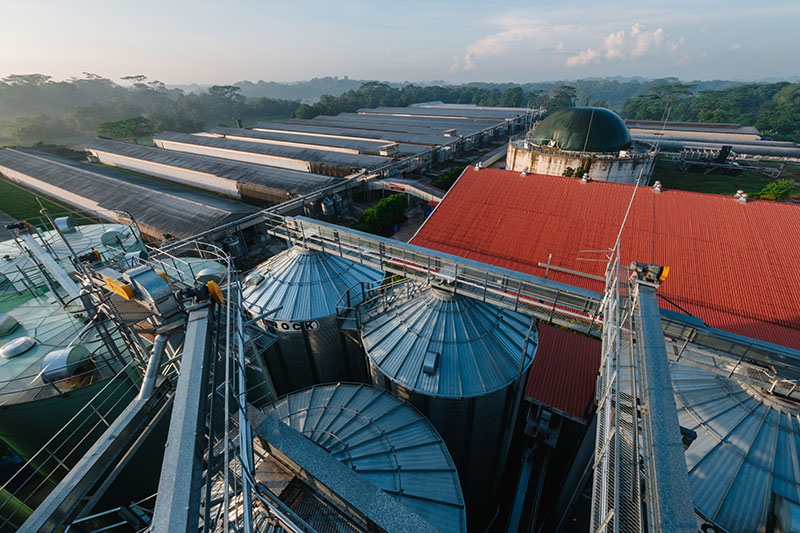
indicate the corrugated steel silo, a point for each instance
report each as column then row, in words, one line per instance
column 459, row 361
column 747, row 449
column 386, row 441
column 304, row 286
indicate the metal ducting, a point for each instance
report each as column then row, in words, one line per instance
column 747, row 450
column 459, row 361
column 302, row 287
column 385, row 440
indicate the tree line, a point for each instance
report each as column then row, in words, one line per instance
column 773, row 108
column 34, row 108
column 376, row 94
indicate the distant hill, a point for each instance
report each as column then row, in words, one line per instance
column 615, row 91
column 308, row 91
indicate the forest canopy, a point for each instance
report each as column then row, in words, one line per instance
column 35, row 108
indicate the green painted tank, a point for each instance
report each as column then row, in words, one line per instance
column 591, row 129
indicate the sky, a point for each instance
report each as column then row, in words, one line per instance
column 180, row 41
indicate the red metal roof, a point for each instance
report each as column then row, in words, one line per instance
column 733, row 265
column 564, row 371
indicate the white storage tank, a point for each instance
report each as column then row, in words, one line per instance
column 303, row 288
column 385, row 440
column 459, row 361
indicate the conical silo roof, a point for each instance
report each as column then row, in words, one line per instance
column 446, row 345
column 305, row 284
column 385, row 440
column 747, row 447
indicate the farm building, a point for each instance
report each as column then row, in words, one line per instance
column 247, row 181
column 159, row 209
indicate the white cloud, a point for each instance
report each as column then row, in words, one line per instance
column 614, row 44
column 637, row 42
column 514, row 35
column 674, row 46
column 520, row 36
column 584, row 58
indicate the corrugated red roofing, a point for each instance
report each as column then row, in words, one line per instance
column 733, row 265
column 564, row 371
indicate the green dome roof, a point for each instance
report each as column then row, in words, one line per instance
column 568, row 129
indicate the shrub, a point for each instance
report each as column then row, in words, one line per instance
column 777, row 191
column 380, row 216
column 446, row 180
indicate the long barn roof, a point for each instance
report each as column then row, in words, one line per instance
column 230, row 147
column 292, row 181
column 167, row 208
column 732, row 265
column 365, row 146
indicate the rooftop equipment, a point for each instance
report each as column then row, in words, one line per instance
column 296, row 293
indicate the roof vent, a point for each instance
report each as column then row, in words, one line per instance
column 63, row 363
column 7, row 324
column 431, row 362
column 65, row 224
column 389, row 149
column 16, row 347
column 657, row 186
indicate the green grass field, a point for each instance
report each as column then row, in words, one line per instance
column 749, row 181
column 22, row 204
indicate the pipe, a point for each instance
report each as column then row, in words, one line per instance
column 153, row 366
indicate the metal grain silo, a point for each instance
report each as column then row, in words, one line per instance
column 386, row 441
column 302, row 287
column 459, row 361
column 747, row 450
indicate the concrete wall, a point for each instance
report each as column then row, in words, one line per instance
column 600, row 168
column 249, row 157
column 201, row 180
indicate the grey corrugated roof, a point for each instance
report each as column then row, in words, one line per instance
column 479, row 345
column 395, row 134
column 354, row 161
column 747, row 447
column 363, row 146
column 385, row 440
column 475, row 113
column 293, row 181
column 305, row 284
column 436, row 125
column 413, row 125
column 178, row 211
column 719, row 127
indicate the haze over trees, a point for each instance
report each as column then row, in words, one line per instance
column 773, row 108
column 35, row 108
